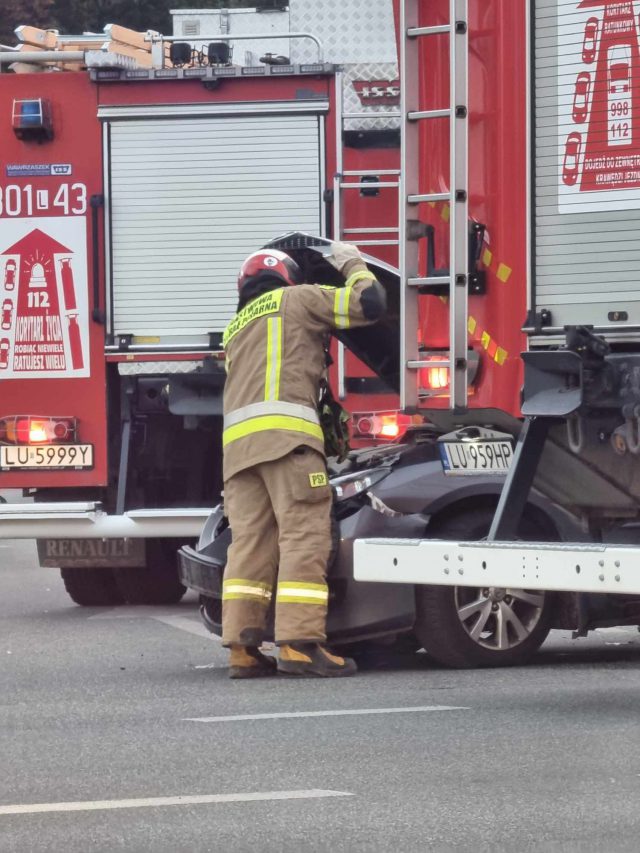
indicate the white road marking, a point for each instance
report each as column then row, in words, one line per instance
column 286, row 715
column 155, row 802
column 165, row 615
column 183, row 623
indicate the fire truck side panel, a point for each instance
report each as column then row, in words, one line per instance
column 51, row 346
column 193, row 193
column 497, row 193
column 586, row 94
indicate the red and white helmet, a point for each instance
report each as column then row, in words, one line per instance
column 270, row 261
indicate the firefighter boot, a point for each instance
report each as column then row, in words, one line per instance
column 313, row 661
column 248, row 662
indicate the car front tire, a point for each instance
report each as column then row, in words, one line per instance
column 466, row 627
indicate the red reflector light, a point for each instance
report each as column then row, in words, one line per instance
column 37, row 429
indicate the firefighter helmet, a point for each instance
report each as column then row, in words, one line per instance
column 270, row 261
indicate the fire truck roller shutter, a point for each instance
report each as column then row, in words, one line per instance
column 190, row 199
column 586, row 123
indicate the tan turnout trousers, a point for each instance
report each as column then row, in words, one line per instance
column 281, row 512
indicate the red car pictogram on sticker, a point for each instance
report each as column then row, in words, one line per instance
column 589, row 41
column 571, row 164
column 619, row 69
column 7, row 314
column 10, row 269
column 581, row 97
column 4, row 353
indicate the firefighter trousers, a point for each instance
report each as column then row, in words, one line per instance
column 280, row 517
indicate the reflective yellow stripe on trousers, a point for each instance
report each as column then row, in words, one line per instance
column 299, row 592
column 238, row 588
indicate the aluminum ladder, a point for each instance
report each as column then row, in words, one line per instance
column 349, row 180
column 411, row 230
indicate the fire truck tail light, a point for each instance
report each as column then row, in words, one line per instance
column 385, row 426
column 36, row 429
column 434, row 380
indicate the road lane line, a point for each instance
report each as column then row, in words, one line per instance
column 155, row 802
column 183, row 623
column 286, row 715
column 159, row 614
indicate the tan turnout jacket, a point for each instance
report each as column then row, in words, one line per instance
column 275, row 361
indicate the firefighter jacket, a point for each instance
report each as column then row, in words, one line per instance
column 276, row 360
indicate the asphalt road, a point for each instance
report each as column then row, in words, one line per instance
column 102, row 706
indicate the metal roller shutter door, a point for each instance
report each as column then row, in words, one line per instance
column 587, row 200
column 190, row 199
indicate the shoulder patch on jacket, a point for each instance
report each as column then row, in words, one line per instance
column 268, row 303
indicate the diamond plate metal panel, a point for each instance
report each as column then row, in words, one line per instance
column 352, row 104
column 352, row 31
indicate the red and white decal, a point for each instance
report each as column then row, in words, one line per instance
column 599, row 105
column 373, row 93
column 44, row 297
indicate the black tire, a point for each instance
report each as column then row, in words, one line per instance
column 155, row 583
column 447, row 637
column 92, row 587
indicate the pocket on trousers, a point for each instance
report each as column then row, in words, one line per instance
column 310, row 481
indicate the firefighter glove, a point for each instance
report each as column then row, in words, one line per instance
column 342, row 254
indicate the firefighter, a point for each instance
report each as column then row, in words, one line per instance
column 276, row 489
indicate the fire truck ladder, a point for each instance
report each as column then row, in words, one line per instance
column 412, row 230
column 362, row 180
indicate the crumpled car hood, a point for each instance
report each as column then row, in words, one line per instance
column 378, row 346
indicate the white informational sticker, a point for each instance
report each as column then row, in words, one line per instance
column 44, row 303
column 598, row 105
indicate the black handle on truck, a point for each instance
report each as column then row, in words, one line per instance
column 96, row 202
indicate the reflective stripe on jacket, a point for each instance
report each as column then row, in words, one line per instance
column 275, row 361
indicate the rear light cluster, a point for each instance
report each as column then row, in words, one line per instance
column 434, row 378
column 385, row 426
column 434, row 381
column 36, row 429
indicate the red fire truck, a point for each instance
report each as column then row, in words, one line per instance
column 523, row 120
column 137, row 172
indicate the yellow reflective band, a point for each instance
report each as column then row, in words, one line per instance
column 268, row 303
column 341, row 307
column 317, row 480
column 244, row 582
column 360, row 275
column 292, row 592
column 238, row 589
column 274, row 358
column 268, row 422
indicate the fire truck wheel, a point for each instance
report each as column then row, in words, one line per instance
column 155, row 583
column 92, row 587
column 467, row 627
